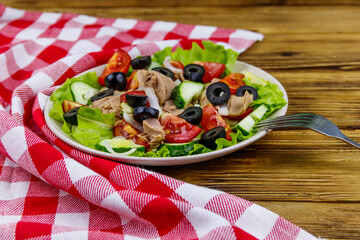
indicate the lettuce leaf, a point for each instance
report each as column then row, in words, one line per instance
column 211, row 53
column 93, row 126
column 270, row 95
column 64, row 93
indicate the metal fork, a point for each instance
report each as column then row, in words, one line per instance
column 305, row 120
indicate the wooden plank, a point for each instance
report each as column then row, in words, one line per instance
column 153, row 3
column 283, row 166
column 319, row 218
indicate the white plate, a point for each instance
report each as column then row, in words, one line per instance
column 55, row 127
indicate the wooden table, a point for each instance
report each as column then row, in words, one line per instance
column 314, row 51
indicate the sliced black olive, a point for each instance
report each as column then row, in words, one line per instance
column 136, row 100
column 241, row 91
column 218, row 93
column 194, row 72
column 167, row 72
column 192, row 115
column 142, row 113
column 140, row 62
column 71, row 116
column 208, row 138
column 102, row 94
column 116, row 81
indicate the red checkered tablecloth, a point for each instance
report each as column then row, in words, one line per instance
column 48, row 190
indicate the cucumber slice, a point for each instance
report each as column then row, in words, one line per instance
column 179, row 149
column 259, row 112
column 253, row 79
column 82, row 92
column 246, row 124
column 119, row 145
column 186, row 92
column 154, row 65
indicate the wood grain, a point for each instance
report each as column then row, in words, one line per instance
column 313, row 49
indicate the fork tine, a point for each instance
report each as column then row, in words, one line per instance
column 298, row 116
column 274, row 126
column 284, row 121
column 292, row 120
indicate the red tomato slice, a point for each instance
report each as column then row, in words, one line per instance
column 178, row 130
column 212, row 70
column 132, row 81
column 241, row 116
column 211, row 118
column 119, row 62
column 234, row 81
column 127, row 131
column 68, row 105
column 177, row 64
column 139, row 92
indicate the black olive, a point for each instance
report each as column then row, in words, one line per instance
column 241, row 91
column 142, row 113
column 71, row 116
column 208, row 138
column 218, row 93
column 192, row 115
column 102, row 94
column 194, row 72
column 140, row 62
column 136, row 100
column 116, row 81
column 167, row 72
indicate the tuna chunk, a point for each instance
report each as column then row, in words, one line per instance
column 162, row 85
column 110, row 104
column 153, row 132
column 170, row 107
column 238, row 105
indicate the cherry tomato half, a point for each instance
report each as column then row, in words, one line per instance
column 119, row 62
column 127, row 131
column 211, row 118
column 178, row 130
column 234, row 81
column 212, row 70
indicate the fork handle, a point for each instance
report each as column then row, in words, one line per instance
column 348, row 140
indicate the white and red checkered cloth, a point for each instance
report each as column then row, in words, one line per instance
column 48, row 190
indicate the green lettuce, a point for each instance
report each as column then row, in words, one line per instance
column 64, row 93
column 269, row 95
column 211, row 53
column 93, row 126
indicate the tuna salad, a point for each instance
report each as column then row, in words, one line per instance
column 174, row 103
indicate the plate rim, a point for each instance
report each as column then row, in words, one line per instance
column 55, row 128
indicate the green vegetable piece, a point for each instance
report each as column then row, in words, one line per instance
column 82, row 92
column 93, row 126
column 246, row 124
column 259, row 112
column 119, row 145
column 252, row 79
column 179, row 149
column 186, row 92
